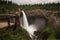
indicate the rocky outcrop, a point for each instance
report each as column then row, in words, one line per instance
column 40, row 12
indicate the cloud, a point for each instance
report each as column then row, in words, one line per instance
column 34, row 1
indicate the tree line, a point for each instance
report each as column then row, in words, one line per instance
column 7, row 7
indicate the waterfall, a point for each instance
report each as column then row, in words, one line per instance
column 29, row 28
column 38, row 24
column 25, row 22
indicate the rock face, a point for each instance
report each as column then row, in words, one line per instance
column 55, row 22
column 39, row 12
column 45, row 14
column 34, row 13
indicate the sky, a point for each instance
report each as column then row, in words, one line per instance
column 20, row 2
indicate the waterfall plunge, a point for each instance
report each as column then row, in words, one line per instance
column 29, row 28
column 25, row 22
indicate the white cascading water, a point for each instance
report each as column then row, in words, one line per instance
column 25, row 22
column 29, row 28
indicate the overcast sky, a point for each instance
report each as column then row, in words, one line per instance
column 34, row 1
